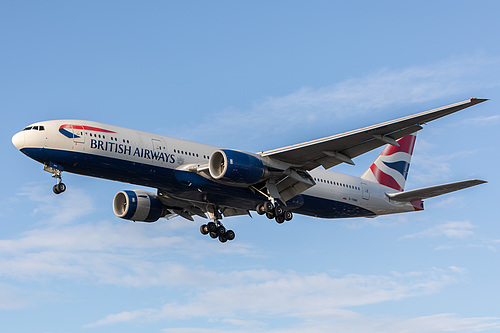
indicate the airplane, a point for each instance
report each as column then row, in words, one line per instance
column 193, row 179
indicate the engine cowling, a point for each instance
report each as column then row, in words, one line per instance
column 236, row 167
column 138, row 205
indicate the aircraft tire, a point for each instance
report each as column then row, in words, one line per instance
column 278, row 211
column 59, row 188
column 221, row 231
column 212, row 227
column 288, row 215
column 268, row 207
column 260, row 209
column 204, row 229
column 270, row 216
column 280, row 219
column 213, row 234
column 222, row 239
column 230, row 235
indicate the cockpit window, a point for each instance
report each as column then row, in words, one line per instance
column 34, row 128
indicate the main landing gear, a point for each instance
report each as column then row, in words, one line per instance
column 56, row 171
column 274, row 211
column 215, row 228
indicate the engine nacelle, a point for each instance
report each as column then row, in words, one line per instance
column 236, row 167
column 138, row 205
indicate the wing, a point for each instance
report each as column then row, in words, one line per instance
column 342, row 148
column 433, row 191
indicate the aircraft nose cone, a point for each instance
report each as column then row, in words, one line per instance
column 18, row 140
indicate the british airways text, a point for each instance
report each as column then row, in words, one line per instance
column 124, row 149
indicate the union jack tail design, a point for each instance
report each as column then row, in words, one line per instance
column 391, row 166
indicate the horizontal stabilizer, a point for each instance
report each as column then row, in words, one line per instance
column 433, row 191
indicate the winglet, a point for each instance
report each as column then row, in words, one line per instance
column 479, row 100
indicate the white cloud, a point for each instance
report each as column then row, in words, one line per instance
column 289, row 295
column 57, row 210
column 12, row 297
column 349, row 321
column 460, row 229
column 124, row 254
column 482, row 121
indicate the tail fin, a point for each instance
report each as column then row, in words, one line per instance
column 391, row 166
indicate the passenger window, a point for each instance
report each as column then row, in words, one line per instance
column 41, row 128
column 35, row 128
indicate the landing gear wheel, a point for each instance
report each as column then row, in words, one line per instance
column 222, row 239
column 270, row 216
column 288, row 216
column 260, row 209
column 280, row 219
column 204, row 229
column 212, row 227
column 59, row 188
column 230, row 235
column 221, row 231
column 268, row 207
column 213, row 234
column 279, row 210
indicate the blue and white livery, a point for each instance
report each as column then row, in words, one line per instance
column 193, row 179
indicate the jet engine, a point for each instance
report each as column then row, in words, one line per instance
column 139, row 206
column 236, row 167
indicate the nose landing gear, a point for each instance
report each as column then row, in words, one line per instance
column 56, row 171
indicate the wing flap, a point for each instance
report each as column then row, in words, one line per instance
column 433, row 191
column 290, row 187
column 180, row 207
column 228, row 211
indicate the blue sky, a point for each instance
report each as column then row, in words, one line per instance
column 251, row 75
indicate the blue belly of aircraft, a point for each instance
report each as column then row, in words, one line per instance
column 184, row 184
